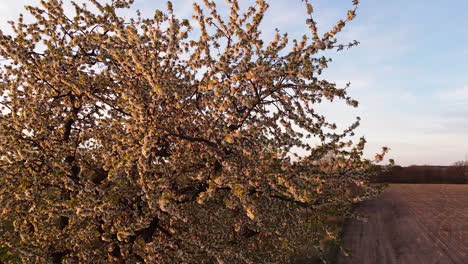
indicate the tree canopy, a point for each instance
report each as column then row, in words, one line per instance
column 167, row 140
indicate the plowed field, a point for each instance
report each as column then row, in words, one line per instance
column 411, row 224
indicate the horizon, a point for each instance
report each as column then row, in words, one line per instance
column 407, row 74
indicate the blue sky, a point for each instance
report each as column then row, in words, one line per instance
column 409, row 73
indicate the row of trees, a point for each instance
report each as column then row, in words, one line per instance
column 150, row 140
column 424, row 174
column 461, row 163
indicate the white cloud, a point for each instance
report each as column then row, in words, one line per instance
column 454, row 94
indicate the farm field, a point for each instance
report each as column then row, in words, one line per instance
column 411, row 223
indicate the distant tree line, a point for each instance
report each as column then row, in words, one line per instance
column 455, row 174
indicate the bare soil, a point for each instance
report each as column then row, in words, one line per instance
column 411, row 224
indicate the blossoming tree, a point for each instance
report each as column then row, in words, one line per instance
column 164, row 140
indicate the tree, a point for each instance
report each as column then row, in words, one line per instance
column 461, row 163
column 462, row 169
column 148, row 140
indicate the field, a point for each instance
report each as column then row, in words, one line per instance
column 411, row 223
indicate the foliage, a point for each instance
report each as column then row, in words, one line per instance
column 148, row 140
column 462, row 168
column 461, row 163
column 423, row 174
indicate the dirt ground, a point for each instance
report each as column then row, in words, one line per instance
column 411, row 224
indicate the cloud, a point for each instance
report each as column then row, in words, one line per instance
column 454, row 94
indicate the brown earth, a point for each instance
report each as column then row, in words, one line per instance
column 411, row 224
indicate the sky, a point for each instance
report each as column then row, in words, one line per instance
column 409, row 73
